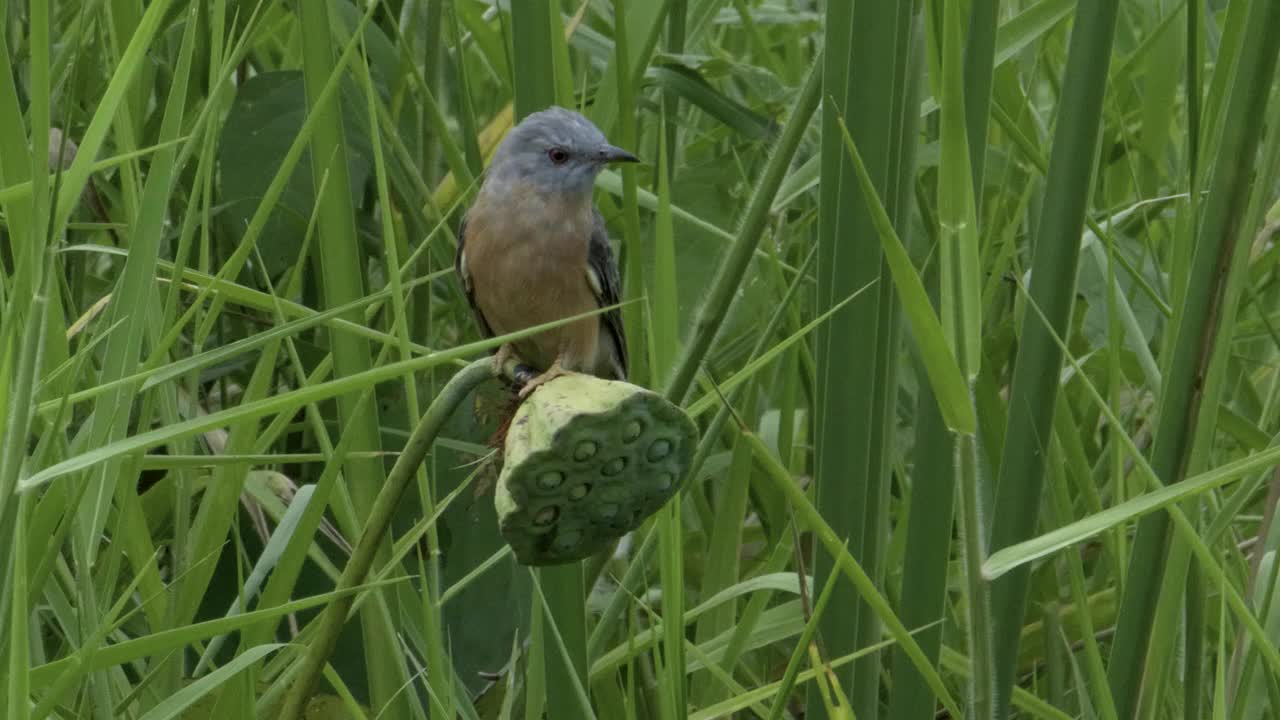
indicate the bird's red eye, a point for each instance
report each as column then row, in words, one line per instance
column 559, row 156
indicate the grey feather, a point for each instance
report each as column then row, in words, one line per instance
column 522, row 156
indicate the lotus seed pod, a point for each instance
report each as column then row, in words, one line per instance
column 587, row 460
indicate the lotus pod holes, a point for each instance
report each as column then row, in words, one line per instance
column 585, row 461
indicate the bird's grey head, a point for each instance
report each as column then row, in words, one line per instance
column 556, row 150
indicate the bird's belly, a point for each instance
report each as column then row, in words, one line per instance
column 525, row 289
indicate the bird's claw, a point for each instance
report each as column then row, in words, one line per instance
column 523, row 375
column 552, row 373
column 500, row 359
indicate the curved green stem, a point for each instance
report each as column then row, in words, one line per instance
column 384, row 507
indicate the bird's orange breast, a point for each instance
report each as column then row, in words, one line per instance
column 526, row 255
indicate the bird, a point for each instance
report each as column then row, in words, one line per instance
column 533, row 249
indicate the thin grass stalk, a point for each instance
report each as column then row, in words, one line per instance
column 1266, row 535
column 923, row 594
column 1218, row 378
column 979, row 67
column 902, row 143
column 1193, row 661
column 22, row 335
column 730, row 499
column 1095, row 668
column 337, row 254
column 1193, row 349
column 666, row 340
column 924, row 580
column 19, row 688
column 439, row 670
column 197, row 215
column 1035, row 375
column 677, row 32
column 131, row 291
column 429, row 16
column 116, row 480
column 466, row 113
column 635, row 318
column 1195, row 21
column 26, row 350
column 671, row 574
column 961, row 305
column 19, row 164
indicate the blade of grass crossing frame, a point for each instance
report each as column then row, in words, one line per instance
column 957, row 219
column 944, row 374
column 665, row 342
column 930, row 519
column 15, row 513
column 979, row 66
column 671, row 569
column 1055, row 261
column 802, row 649
column 215, row 514
column 17, row 167
column 439, row 670
column 122, row 355
column 663, row 300
column 854, row 350
column 643, row 23
column 677, row 29
column 1217, row 241
column 900, row 128
column 21, row 343
column 19, row 704
column 633, row 316
column 336, row 257
column 962, row 322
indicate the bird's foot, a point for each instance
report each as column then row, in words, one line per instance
column 522, row 374
column 552, row 373
column 500, row 359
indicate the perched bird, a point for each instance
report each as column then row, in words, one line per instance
column 533, row 249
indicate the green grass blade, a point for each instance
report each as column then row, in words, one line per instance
column 1035, row 376
column 944, row 374
column 1198, row 319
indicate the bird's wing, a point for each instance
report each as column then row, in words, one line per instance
column 464, row 277
column 602, row 275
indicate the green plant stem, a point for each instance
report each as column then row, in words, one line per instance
column 1035, row 375
column 384, row 507
column 339, row 263
column 979, row 59
column 1194, row 345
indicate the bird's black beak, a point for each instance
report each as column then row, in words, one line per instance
column 611, row 154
